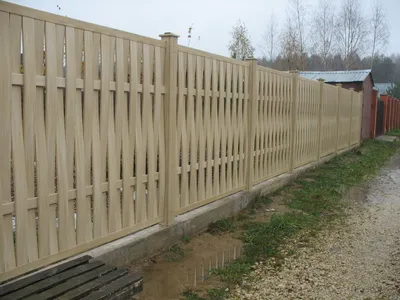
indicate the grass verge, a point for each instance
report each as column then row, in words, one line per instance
column 315, row 198
column 394, row 132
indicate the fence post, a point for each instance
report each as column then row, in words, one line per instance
column 321, row 100
column 339, row 87
column 253, row 98
column 170, row 107
column 293, row 109
column 351, row 112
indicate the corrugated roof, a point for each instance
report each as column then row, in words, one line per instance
column 337, row 76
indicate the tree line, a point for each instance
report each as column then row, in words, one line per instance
column 330, row 36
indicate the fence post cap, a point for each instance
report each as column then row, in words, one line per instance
column 339, row 84
column 351, row 89
column 294, row 71
column 168, row 34
column 321, row 80
column 251, row 58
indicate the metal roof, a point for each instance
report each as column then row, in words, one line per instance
column 337, row 76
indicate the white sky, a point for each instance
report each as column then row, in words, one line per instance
column 212, row 19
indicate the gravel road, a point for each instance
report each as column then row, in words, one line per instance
column 357, row 259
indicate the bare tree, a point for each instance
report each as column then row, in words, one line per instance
column 297, row 16
column 240, row 45
column 290, row 48
column 323, row 30
column 351, row 32
column 380, row 31
column 270, row 38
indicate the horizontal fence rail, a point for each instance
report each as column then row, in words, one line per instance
column 105, row 133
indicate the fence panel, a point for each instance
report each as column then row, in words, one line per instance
column 272, row 130
column 306, row 131
column 329, row 124
column 83, row 145
column 344, row 118
column 212, row 122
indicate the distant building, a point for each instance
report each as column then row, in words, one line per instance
column 360, row 80
column 383, row 88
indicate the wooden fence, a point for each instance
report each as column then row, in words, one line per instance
column 104, row 133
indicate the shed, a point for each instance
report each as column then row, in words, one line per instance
column 360, row 80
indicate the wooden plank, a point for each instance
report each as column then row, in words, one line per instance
column 135, row 120
column 52, row 281
column 87, row 288
column 159, row 142
column 148, row 130
column 192, row 128
column 51, row 121
column 182, row 137
column 261, row 124
column 71, row 284
column 215, row 128
column 207, row 125
column 243, row 93
column 130, row 283
column 104, row 122
column 200, row 126
column 18, row 150
column 41, row 148
column 8, row 288
column 119, row 99
column 7, row 251
column 222, row 124
column 29, row 94
column 228, row 125
column 114, row 202
column 234, row 126
column 99, row 204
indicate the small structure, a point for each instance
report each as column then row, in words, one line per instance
column 383, row 88
column 360, row 80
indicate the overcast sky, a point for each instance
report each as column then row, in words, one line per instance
column 212, row 19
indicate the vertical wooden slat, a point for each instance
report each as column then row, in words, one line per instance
column 148, row 130
column 241, row 127
column 41, row 149
column 200, row 126
column 234, row 126
column 228, row 118
column 51, row 121
column 114, row 203
column 261, row 126
column 245, row 122
column 182, row 139
column 106, row 65
column 8, row 32
column 251, row 121
column 192, row 128
column 18, row 150
column 223, row 98
column 159, row 58
column 207, row 125
column 215, row 129
column 29, row 65
column 99, row 205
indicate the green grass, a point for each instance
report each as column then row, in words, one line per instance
column 315, row 198
column 395, row 132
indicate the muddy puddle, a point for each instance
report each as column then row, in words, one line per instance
column 186, row 265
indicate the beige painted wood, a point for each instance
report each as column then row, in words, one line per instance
column 193, row 133
column 171, row 199
column 159, row 140
column 51, row 119
column 293, row 113
column 29, row 94
column 148, row 131
column 18, row 150
column 222, row 124
column 207, row 126
column 215, row 127
column 7, row 252
column 41, row 149
column 241, row 129
column 182, row 139
column 351, row 110
column 234, row 125
column 229, row 125
column 251, row 119
column 200, row 127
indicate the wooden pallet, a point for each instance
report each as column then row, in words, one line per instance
column 81, row 278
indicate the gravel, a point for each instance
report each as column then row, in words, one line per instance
column 357, row 258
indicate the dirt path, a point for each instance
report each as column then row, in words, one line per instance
column 356, row 260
